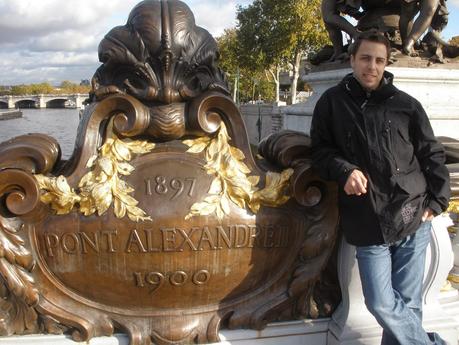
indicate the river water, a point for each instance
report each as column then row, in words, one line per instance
column 61, row 124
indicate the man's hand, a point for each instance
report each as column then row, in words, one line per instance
column 356, row 183
column 427, row 215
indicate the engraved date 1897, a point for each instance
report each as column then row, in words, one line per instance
column 155, row 279
column 170, row 186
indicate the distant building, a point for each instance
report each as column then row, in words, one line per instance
column 85, row 82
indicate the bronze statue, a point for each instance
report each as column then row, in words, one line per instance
column 335, row 23
column 396, row 19
column 162, row 224
column 410, row 32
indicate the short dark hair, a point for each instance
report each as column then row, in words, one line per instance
column 371, row 35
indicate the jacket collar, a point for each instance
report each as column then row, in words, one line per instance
column 360, row 95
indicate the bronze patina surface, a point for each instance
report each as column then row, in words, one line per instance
column 161, row 224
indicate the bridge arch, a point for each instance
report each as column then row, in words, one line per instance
column 57, row 103
column 3, row 105
column 25, row 103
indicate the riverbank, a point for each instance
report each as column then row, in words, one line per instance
column 10, row 114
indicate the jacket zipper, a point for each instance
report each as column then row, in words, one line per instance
column 389, row 139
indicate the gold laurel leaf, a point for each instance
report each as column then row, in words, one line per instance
column 139, row 147
column 100, row 176
column 119, row 208
column 240, row 202
column 212, row 199
column 254, row 206
column 197, row 148
column 212, row 151
column 87, row 206
column 137, row 219
column 57, row 193
column 103, row 205
column 127, row 199
column 124, row 186
column 254, row 180
column 224, row 204
column 61, row 185
column 124, row 168
column 197, row 141
column 99, row 190
column 106, row 149
column 121, row 151
column 216, row 186
column 220, row 213
column 236, row 153
column 91, row 161
column 42, row 181
column 47, row 198
column 86, row 179
column 205, row 208
column 106, row 166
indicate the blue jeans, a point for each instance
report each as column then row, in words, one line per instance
column 392, row 278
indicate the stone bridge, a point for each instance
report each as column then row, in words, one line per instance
column 41, row 101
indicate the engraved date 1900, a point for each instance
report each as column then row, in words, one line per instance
column 155, row 279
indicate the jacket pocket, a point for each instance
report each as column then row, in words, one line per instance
column 412, row 183
column 350, row 146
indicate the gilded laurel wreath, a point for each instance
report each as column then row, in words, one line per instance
column 232, row 183
column 101, row 186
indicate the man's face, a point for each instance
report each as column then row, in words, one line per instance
column 368, row 64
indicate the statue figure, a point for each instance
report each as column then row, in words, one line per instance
column 396, row 18
column 410, row 32
column 335, row 23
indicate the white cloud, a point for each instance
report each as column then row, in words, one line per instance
column 53, row 40
column 68, row 40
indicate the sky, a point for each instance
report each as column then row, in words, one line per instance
column 56, row 40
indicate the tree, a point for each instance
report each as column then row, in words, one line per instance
column 280, row 33
column 46, row 88
column 229, row 61
column 245, row 79
column 252, row 34
column 70, row 87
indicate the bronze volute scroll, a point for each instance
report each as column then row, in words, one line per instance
column 161, row 224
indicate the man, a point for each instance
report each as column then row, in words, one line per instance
column 377, row 143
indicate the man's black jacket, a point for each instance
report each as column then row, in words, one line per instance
column 386, row 134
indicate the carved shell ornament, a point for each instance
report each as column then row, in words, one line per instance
column 162, row 58
column 162, row 216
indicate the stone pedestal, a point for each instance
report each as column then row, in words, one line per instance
column 435, row 88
